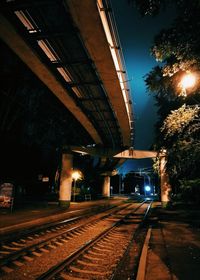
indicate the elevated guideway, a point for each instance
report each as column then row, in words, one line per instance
column 73, row 48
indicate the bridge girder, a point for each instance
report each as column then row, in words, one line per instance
column 10, row 36
column 115, row 119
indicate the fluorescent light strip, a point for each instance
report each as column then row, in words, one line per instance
column 65, row 74
column 26, row 22
column 77, row 92
column 46, row 49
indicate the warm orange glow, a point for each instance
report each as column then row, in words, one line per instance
column 76, row 175
column 188, row 81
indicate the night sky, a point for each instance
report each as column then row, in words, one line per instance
column 136, row 35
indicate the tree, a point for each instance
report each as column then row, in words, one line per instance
column 181, row 132
column 178, row 122
column 178, row 48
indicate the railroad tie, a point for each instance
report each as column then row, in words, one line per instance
column 6, row 269
column 18, row 263
column 10, row 248
column 68, row 277
column 27, row 258
column 90, row 272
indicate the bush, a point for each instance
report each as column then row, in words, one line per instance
column 190, row 190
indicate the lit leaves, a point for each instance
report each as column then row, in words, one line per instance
column 179, row 119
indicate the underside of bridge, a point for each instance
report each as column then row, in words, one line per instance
column 63, row 82
column 68, row 51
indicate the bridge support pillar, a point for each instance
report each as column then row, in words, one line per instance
column 164, row 182
column 106, row 186
column 66, row 180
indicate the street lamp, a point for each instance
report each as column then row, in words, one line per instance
column 188, row 81
column 75, row 175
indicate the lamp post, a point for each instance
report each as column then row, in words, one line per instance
column 75, row 175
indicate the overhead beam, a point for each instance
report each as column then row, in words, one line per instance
column 110, row 153
column 72, row 62
column 93, row 35
column 10, row 36
column 83, row 83
column 136, row 154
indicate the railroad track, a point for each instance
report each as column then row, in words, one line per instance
column 14, row 254
column 133, row 253
column 99, row 257
column 27, row 236
column 41, row 229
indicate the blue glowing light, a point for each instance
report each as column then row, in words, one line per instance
column 147, row 188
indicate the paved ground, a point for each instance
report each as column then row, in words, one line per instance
column 174, row 248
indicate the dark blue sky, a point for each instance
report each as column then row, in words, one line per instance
column 136, row 36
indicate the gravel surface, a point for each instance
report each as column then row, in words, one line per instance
column 42, row 261
column 118, row 240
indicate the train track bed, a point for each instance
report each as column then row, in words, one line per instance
column 17, row 255
column 44, row 223
column 97, row 258
column 23, row 238
column 128, row 265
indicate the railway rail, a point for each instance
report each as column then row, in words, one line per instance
column 74, row 216
column 96, row 259
column 91, row 249
column 14, row 253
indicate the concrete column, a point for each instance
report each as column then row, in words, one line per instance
column 66, row 180
column 106, row 186
column 164, row 182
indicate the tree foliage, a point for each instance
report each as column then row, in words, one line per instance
column 178, row 48
column 180, row 119
column 190, row 190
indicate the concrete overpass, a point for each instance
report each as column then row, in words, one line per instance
column 121, row 156
column 73, row 48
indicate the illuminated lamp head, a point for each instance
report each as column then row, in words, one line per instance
column 188, row 81
column 76, row 175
